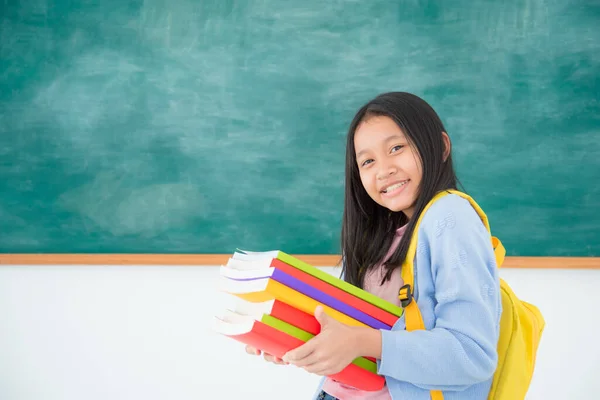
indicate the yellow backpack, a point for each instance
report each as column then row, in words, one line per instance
column 521, row 323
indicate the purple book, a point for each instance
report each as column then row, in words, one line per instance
column 304, row 288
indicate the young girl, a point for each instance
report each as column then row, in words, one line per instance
column 398, row 156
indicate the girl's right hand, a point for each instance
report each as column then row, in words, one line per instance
column 266, row 356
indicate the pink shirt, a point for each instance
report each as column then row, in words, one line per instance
column 388, row 291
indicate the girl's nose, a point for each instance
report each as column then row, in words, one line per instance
column 386, row 171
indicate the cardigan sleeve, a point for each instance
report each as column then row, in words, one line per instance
column 461, row 348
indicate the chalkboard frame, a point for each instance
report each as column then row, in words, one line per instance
column 219, row 259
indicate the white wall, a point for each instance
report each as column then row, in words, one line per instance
column 143, row 332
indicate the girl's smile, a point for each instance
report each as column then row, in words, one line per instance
column 394, row 188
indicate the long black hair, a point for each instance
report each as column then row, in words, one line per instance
column 368, row 228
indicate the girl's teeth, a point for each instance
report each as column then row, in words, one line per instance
column 397, row 185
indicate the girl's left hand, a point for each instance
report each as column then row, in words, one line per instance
column 329, row 352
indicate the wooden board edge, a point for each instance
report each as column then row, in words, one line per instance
column 219, row 259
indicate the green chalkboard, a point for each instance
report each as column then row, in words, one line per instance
column 197, row 126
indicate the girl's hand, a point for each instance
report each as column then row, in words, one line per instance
column 329, row 352
column 266, row 356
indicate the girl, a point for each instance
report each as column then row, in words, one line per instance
column 398, row 156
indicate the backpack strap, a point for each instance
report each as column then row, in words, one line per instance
column 413, row 317
column 499, row 250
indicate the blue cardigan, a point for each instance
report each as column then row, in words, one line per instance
column 457, row 289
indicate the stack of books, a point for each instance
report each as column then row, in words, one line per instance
column 275, row 299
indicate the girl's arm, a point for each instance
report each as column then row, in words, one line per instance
column 460, row 350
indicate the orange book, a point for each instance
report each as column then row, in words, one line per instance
column 260, row 290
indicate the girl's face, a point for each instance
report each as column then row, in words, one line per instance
column 390, row 168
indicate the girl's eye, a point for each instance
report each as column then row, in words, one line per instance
column 397, row 148
column 366, row 162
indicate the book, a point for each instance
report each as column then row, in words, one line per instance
column 281, row 311
column 382, row 315
column 269, row 339
column 277, row 296
column 277, row 274
column 265, row 289
column 229, row 315
column 256, row 260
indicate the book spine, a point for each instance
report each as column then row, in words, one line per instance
column 295, row 317
column 277, row 343
column 363, row 362
column 286, row 294
column 385, row 317
column 357, row 377
column 341, row 284
column 299, row 319
column 268, row 339
column 306, row 289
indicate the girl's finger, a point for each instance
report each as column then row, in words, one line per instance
column 324, row 369
column 309, row 359
column 252, row 350
column 273, row 359
column 317, row 368
column 321, row 370
column 302, row 351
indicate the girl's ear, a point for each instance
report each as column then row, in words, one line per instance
column 447, row 145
